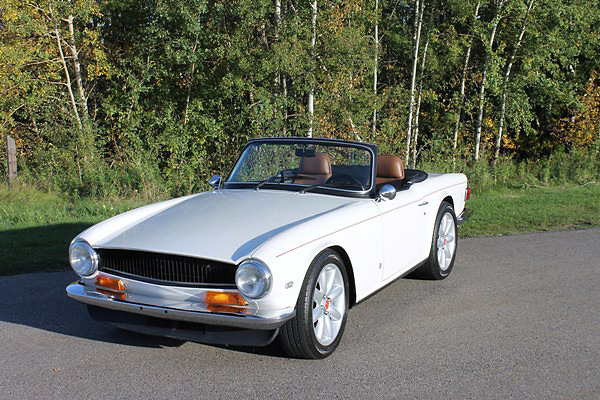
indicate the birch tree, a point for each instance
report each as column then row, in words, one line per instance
column 418, row 22
column 486, row 65
column 82, row 96
column 375, row 69
column 63, row 59
column 311, row 93
column 420, row 91
column 505, row 80
column 461, row 96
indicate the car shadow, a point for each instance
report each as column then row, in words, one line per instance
column 38, row 299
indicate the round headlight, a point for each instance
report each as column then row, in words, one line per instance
column 83, row 259
column 253, row 279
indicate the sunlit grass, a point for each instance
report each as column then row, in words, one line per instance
column 37, row 227
column 510, row 211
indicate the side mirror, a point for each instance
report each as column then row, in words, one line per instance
column 216, row 182
column 387, row 192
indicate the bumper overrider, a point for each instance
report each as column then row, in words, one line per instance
column 185, row 320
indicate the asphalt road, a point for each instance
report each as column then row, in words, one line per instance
column 519, row 317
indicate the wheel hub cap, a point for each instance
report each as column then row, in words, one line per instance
column 446, row 242
column 329, row 304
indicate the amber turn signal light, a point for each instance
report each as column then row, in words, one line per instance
column 110, row 283
column 112, row 287
column 230, row 299
column 224, row 302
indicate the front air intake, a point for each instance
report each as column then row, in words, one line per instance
column 166, row 268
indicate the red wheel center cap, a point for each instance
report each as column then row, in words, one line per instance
column 444, row 242
column 327, row 304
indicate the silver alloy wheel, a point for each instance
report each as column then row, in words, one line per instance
column 329, row 304
column 446, row 241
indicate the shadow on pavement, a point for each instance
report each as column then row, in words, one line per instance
column 39, row 300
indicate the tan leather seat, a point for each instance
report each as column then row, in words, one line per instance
column 389, row 168
column 318, row 168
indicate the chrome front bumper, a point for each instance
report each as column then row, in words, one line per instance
column 86, row 295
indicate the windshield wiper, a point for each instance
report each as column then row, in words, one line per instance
column 323, row 185
column 282, row 178
column 269, row 179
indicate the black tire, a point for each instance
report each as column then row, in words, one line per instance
column 297, row 337
column 431, row 269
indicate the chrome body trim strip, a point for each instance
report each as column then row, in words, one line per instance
column 87, row 295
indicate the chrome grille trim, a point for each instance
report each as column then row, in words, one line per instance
column 167, row 268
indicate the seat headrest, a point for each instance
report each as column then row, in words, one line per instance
column 320, row 164
column 390, row 167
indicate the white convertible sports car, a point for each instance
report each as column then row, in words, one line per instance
column 300, row 231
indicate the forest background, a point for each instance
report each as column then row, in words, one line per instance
column 115, row 97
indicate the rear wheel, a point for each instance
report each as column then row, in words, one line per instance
column 443, row 244
column 321, row 311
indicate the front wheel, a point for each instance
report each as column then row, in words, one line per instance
column 443, row 244
column 321, row 311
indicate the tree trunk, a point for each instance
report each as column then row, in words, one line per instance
column 189, row 89
column 77, row 68
column 419, row 8
column 284, row 89
column 420, row 92
column 279, row 79
column 277, row 17
column 505, row 79
column 311, row 93
column 375, row 71
column 66, row 70
column 461, row 98
column 483, row 80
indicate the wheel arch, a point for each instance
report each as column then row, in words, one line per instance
column 349, row 270
column 448, row 199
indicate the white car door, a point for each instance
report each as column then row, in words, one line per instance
column 403, row 224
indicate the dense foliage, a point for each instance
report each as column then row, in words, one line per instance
column 113, row 96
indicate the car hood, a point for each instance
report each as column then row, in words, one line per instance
column 226, row 225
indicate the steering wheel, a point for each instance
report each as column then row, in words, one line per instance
column 344, row 179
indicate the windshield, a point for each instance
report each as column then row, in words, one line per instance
column 304, row 164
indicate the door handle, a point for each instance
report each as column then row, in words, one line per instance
column 423, row 203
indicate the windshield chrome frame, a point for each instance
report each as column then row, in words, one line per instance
column 371, row 148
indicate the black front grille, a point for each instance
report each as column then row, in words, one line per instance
column 166, row 268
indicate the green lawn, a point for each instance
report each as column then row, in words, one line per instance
column 36, row 228
column 510, row 211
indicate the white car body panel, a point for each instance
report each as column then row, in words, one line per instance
column 224, row 225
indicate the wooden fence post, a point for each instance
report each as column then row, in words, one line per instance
column 11, row 157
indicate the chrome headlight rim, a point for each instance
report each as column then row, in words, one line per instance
column 93, row 256
column 262, row 269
